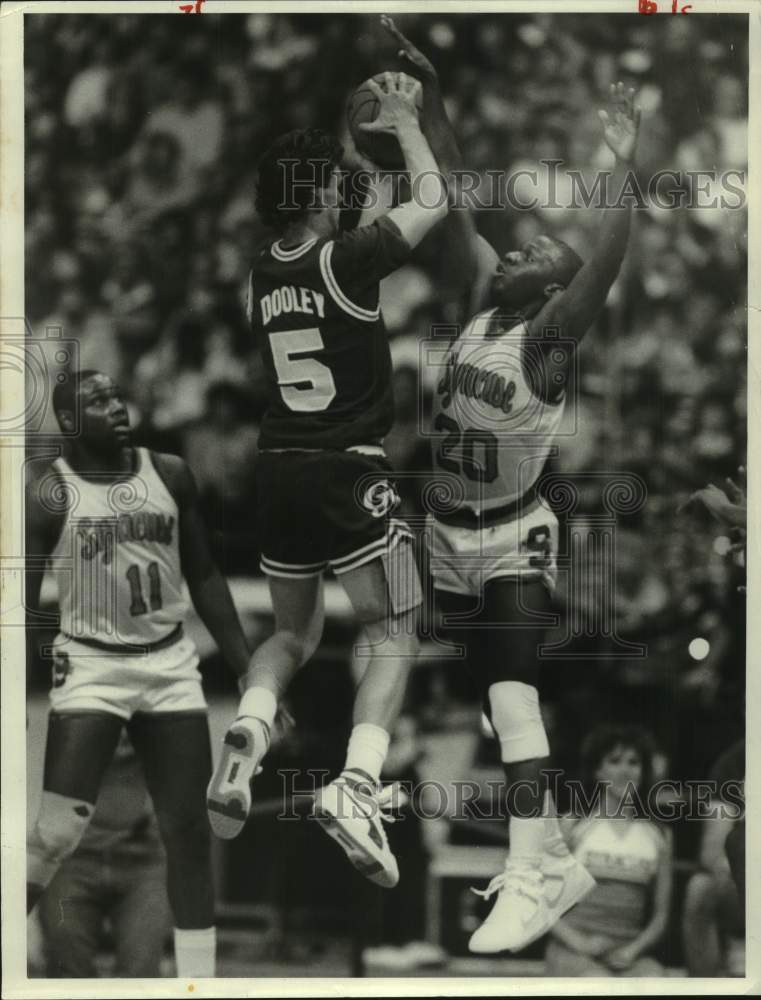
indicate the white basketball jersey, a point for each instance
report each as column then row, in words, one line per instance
column 490, row 429
column 117, row 560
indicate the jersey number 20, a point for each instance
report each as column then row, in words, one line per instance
column 479, row 471
column 306, row 385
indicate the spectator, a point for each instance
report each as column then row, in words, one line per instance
column 192, row 117
column 131, row 297
column 115, row 882
column 714, row 910
column 614, row 929
column 222, row 450
column 160, row 182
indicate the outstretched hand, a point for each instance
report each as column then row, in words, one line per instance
column 731, row 513
column 409, row 52
column 621, row 125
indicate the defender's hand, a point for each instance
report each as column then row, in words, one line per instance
column 621, row 126
column 718, row 504
column 398, row 107
column 409, row 52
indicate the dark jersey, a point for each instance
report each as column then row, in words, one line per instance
column 314, row 310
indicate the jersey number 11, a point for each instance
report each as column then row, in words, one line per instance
column 137, row 604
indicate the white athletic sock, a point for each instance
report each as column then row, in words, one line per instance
column 527, row 838
column 368, row 746
column 552, row 830
column 259, row 703
column 195, row 952
column 530, row 836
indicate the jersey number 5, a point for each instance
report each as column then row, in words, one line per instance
column 306, row 385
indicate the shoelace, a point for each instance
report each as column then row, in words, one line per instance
column 525, row 882
column 391, row 797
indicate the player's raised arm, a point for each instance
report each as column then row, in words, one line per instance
column 398, row 114
column 469, row 261
column 574, row 308
column 208, row 588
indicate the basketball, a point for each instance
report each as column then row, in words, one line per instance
column 381, row 147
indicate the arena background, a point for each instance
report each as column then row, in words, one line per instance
column 142, row 134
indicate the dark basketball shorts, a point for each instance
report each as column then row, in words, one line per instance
column 326, row 509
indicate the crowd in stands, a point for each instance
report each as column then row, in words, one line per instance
column 142, row 136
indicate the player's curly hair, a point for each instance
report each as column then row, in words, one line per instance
column 291, row 172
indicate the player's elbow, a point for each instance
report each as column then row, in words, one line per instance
column 433, row 194
column 417, row 217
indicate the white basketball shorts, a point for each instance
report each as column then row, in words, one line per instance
column 464, row 559
column 90, row 679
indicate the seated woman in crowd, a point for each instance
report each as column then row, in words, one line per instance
column 614, row 929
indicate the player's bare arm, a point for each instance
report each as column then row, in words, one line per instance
column 43, row 525
column 398, row 114
column 208, row 588
column 460, row 251
column 573, row 309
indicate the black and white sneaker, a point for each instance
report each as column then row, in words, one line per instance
column 228, row 797
column 352, row 812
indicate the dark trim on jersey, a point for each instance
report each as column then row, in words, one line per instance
column 339, row 297
column 132, row 648
column 157, row 469
column 464, row 517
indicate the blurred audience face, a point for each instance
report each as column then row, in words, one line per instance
column 161, row 155
column 622, row 767
column 728, row 97
column 71, row 302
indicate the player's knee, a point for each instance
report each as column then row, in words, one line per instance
column 300, row 646
column 60, row 825
column 517, row 721
column 185, row 832
column 396, row 635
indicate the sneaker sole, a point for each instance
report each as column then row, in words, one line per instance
column 228, row 797
column 361, row 859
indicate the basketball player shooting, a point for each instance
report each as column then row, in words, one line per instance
column 325, row 487
column 497, row 409
column 121, row 527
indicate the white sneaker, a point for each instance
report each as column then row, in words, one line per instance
column 354, row 816
column 566, row 880
column 519, row 916
column 228, row 797
column 531, row 899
